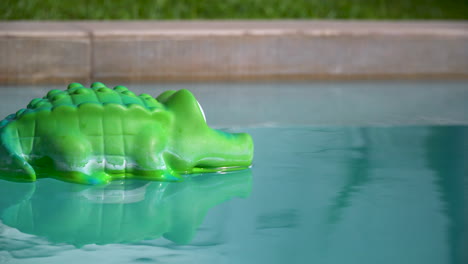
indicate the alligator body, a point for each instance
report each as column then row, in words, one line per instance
column 94, row 135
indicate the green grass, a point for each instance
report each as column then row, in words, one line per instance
column 232, row 9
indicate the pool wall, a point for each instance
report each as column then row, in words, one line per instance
column 60, row 52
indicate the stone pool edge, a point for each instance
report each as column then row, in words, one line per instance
column 60, row 52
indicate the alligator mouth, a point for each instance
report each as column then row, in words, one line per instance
column 198, row 169
column 226, row 152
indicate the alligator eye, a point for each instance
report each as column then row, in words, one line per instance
column 201, row 109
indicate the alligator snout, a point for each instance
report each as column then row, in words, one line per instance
column 227, row 151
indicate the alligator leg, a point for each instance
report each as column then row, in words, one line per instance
column 154, row 168
column 13, row 165
column 148, row 156
column 72, row 155
column 16, row 168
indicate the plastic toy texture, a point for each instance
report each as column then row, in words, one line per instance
column 95, row 135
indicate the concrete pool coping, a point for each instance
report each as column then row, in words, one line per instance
column 60, row 52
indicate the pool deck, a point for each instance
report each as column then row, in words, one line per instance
column 61, row 52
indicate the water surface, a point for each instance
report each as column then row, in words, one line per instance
column 344, row 172
column 315, row 194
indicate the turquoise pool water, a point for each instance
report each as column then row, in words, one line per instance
column 339, row 176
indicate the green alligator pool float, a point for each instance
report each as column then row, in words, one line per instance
column 95, row 135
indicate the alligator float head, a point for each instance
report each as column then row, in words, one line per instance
column 94, row 135
column 207, row 149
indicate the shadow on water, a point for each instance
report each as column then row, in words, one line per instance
column 120, row 212
column 447, row 156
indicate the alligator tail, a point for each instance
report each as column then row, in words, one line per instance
column 13, row 165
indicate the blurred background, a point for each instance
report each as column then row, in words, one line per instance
column 232, row 9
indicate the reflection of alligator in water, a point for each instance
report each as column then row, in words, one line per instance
column 120, row 212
